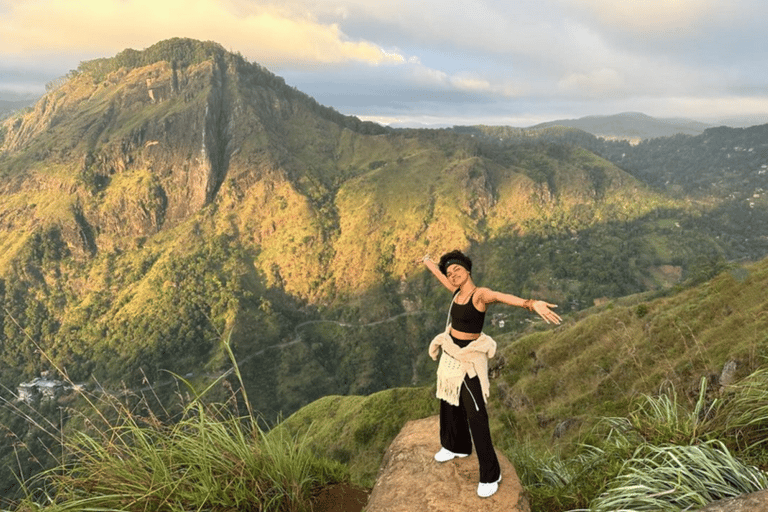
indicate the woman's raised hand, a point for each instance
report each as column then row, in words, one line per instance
column 543, row 310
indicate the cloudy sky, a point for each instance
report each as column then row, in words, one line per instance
column 434, row 62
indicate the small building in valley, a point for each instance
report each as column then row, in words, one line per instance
column 43, row 389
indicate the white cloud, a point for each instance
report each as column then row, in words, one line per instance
column 428, row 77
column 714, row 106
column 524, row 27
column 574, row 57
column 265, row 33
column 475, row 84
column 470, row 83
column 662, row 18
column 597, row 83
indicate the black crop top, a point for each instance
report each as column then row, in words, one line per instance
column 466, row 317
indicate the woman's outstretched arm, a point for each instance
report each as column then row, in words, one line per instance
column 488, row 296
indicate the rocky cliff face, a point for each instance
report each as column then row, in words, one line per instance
column 143, row 148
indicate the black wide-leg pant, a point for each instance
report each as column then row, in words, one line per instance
column 461, row 425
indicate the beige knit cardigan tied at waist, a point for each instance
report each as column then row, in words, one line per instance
column 471, row 360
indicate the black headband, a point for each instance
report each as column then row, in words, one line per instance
column 454, row 261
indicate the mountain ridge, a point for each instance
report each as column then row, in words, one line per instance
column 168, row 180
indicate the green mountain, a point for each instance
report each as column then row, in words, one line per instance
column 157, row 200
column 161, row 203
column 722, row 173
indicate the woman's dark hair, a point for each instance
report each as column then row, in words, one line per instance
column 454, row 258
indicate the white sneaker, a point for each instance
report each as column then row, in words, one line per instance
column 488, row 490
column 445, row 455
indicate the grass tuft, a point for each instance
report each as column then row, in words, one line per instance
column 674, row 478
column 665, row 455
column 207, row 459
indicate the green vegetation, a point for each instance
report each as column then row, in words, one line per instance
column 634, row 345
column 721, row 171
column 205, row 460
column 651, row 367
column 179, row 52
column 356, row 430
column 586, row 409
column 663, row 456
column 644, row 408
column 207, row 457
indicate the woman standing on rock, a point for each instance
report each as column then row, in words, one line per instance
column 462, row 375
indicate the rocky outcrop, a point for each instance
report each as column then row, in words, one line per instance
column 753, row 502
column 410, row 480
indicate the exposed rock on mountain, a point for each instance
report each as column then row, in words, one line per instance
column 411, row 480
column 755, row 502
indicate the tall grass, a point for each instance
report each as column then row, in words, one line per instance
column 665, row 455
column 675, row 478
column 557, row 483
column 744, row 416
column 663, row 419
column 208, row 459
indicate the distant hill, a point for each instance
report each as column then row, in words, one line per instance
column 720, row 162
column 742, row 121
column 8, row 107
column 632, row 126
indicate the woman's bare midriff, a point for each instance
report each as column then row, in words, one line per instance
column 459, row 335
